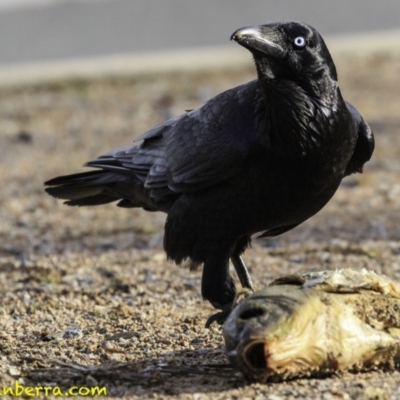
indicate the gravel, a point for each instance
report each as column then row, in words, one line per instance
column 88, row 297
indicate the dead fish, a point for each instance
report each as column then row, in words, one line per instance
column 315, row 324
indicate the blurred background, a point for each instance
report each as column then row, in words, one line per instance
column 37, row 30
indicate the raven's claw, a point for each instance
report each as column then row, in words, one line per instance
column 218, row 317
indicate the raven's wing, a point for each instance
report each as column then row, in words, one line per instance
column 365, row 143
column 217, row 138
column 195, row 150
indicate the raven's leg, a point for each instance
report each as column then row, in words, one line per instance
column 241, row 270
column 239, row 265
column 217, row 286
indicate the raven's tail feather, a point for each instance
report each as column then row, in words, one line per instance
column 101, row 187
column 85, row 189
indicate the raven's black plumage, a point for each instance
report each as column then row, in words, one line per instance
column 262, row 157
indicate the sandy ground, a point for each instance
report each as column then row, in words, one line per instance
column 87, row 296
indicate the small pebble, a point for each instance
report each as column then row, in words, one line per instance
column 72, row 332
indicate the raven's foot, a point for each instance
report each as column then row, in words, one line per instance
column 244, row 292
column 221, row 316
column 218, row 317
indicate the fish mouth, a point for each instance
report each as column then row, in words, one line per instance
column 254, row 356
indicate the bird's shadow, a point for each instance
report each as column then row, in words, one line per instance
column 145, row 377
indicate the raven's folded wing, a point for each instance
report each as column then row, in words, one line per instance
column 365, row 143
column 195, row 150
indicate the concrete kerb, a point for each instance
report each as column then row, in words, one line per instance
column 200, row 59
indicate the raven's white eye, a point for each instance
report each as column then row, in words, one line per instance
column 300, row 41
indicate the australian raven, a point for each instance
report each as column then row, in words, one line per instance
column 259, row 158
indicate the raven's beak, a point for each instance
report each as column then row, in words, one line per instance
column 259, row 38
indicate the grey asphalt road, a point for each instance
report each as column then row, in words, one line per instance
column 68, row 29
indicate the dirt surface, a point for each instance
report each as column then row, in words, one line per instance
column 87, row 296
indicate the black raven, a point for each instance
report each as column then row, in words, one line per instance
column 259, row 158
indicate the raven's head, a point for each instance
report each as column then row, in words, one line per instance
column 288, row 50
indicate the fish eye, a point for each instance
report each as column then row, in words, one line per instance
column 300, row 41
